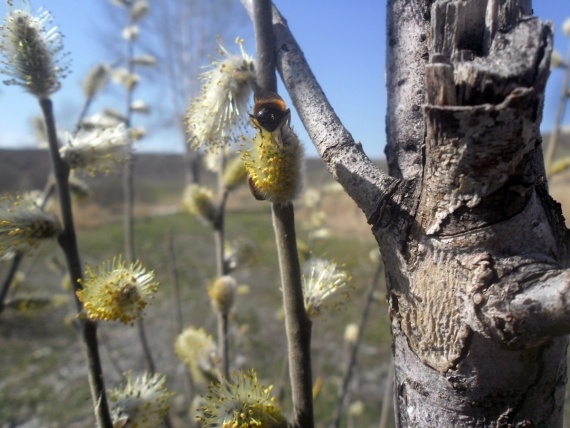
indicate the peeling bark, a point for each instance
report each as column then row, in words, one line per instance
column 478, row 306
column 476, row 251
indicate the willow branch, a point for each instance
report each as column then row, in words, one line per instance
column 539, row 312
column 344, row 158
column 68, row 243
column 129, row 195
column 297, row 324
column 14, row 263
column 178, row 321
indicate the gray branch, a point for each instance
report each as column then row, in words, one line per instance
column 344, row 158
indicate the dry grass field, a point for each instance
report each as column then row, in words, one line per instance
column 42, row 371
column 43, row 379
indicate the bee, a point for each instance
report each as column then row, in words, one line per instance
column 274, row 162
column 269, row 111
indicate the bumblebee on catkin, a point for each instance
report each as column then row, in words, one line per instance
column 274, row 163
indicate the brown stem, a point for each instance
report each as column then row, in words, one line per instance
column 222, row 268
column 297, row 324
column 223, row 343
column 129, row 199
column 68, row 243
column 179, row 324
column 82, row 114
column 9, row 278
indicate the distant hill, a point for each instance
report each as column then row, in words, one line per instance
column 24, row 170
column 27, row 169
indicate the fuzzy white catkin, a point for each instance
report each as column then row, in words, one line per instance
column 31, row 51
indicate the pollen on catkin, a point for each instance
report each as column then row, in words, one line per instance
column 221, row 108
column 114, row 291
column 241, row 402
column 143, row 402
column 275, row 165
column 31, row 52
column 23, row 224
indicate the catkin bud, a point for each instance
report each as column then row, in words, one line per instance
column 222, row 294
column 131, row 32
column 235, row 174
column 144, row 60
column 351, row 333
column 139, row 106
column 139, row 10
column 199, row 201
column 95, row 81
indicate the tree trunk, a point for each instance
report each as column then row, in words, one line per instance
column 475, row 249
column 476, row 291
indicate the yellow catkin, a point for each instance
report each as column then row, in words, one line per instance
column 274, row 164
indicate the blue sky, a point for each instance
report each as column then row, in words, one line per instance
column 343, row 41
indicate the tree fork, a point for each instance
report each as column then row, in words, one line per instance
column 475, row 250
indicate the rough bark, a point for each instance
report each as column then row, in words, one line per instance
column 475, row 250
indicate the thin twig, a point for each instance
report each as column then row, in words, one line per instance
column 119, row 371
column 298, row 325
column 221, row 270
column 179, row 323
column 15, row 263
column 223, row 344
column 129, row 195
column 343, row 395
column 68, row 243
column 84, row 109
